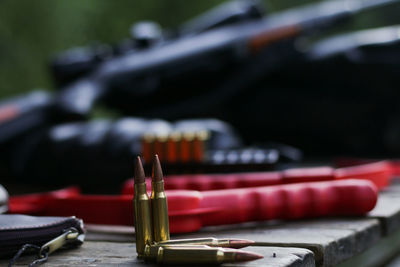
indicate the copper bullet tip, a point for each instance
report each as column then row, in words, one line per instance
column 247, row 256
column 139, row 172
column 157, row 174
column 240, row 243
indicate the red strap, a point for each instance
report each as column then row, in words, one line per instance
column 379, row 173
column 190, row 210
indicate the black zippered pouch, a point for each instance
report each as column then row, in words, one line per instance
column 46, row 233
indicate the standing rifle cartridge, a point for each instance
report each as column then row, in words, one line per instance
column 196, row 255
column 160, row 146
column 208, row 241
column 187, row 147
column 173, row 147
column 159, row 205
column 148, row 147
column 199, row 145
column 141, row 205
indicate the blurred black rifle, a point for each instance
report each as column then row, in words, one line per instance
column 342, row 99
column 199, row 70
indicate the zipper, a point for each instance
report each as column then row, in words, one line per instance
column 71, row 235
column 11, row 240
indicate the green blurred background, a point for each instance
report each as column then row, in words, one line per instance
column 32, row 31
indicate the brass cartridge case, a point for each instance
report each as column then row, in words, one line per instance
column 160, row 146
column 187, row 147
column 208, row 241
column 189, row 254
column 199, row 145
column 173, row 147
column 159, row 208
column 148, row 147
column 143, row 225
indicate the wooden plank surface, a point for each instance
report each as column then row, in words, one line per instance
column 124, row 255
column 387, row 212
column 387, row 209
column 385, row 251
column 331, row 240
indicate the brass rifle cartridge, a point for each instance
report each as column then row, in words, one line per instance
column 208, row 241
column 160, row 146
column 142, row 214
column 159, row 204
column 196, row 254
column 173, row 147
column 187, row 147
column 148, row 147
column 199, row 144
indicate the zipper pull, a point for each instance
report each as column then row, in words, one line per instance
column 69, row 236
